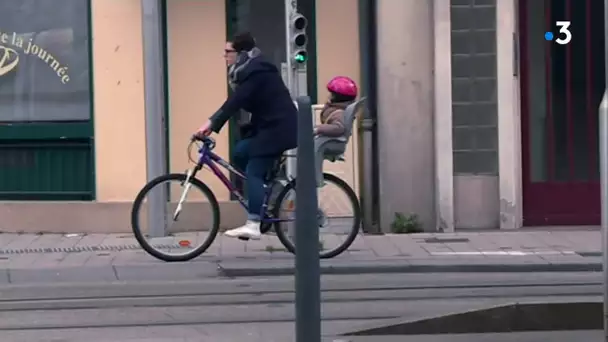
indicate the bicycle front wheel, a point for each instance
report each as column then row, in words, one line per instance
column 338, row 216
column 190, row 213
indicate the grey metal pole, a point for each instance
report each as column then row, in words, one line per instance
column 308, row 274
column 154, row 111
column 603, row 133
column 367, row 27
column 603, row 127
column 291, row 7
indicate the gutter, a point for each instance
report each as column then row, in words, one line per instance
column 368, row 156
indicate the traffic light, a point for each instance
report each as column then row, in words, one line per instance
column 299, row 38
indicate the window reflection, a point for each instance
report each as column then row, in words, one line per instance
column 44, row 60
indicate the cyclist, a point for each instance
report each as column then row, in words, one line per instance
column 259, row 90
column 342, row 92
column 229, row 54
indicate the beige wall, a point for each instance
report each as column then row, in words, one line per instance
column 120, row 148
column 405, row 111
column 509, row 118
column 442, row 116
column 197, row 87
column 197, row 78
column 338, row 54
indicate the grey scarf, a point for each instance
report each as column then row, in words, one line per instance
column 242, row 61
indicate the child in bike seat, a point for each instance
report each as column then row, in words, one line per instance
column 342, row 93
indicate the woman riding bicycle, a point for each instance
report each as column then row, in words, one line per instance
column 260, row 90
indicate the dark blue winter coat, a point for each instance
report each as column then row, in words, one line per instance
column 260, row 90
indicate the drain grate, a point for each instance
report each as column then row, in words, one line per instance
column 84, row 249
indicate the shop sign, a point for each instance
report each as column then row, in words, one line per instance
column 12, row 47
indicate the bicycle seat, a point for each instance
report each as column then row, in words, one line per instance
column 333, row 148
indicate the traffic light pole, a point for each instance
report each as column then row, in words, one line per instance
column 291, row 8
column 603, row 134
column 308, row 279
column 295, row 71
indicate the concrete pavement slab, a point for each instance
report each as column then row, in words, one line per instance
column 22, row 260
column 153, row 270
column 74, row 259
column 166, row 271
column 21, row 241
column 100, row 259
column 4, row 277
column 88, row 239
column 62, row 275
column 47, row 260
column 513, row 264
column 542, row 336
column 7, row 238
column 382, row 247
column 46, row 241
column 125, row 316
column 253, row 332
column 343, row 284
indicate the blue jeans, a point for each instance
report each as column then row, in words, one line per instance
column 256, row 169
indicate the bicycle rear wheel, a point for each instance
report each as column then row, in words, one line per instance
column 193, row 218
column 338, row 219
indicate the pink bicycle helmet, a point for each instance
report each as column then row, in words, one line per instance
column 342, row 85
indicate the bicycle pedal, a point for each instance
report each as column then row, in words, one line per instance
column 243, row 238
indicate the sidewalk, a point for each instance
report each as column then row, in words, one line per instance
column 48, row 258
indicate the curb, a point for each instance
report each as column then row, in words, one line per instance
column 226, row 270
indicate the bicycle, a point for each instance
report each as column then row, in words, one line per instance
column 270, row 209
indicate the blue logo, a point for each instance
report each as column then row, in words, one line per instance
column 549, row 36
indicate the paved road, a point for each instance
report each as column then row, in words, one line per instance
column 260, row 309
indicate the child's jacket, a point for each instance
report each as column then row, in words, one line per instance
column 332, row 120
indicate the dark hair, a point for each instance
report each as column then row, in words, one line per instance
column 243, row 41
column 337, row 98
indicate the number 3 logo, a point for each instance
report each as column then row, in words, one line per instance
column 564, row 30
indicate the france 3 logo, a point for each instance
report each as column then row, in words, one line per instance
column 564, row 35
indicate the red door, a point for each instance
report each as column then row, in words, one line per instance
column 561, row 89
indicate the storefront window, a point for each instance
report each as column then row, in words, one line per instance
column 44, row 60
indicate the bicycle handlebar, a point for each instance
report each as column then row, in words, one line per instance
column 206, row 140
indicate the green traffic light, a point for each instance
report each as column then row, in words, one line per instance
column 300, row 58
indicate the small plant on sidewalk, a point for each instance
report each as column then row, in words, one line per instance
column 406, row 224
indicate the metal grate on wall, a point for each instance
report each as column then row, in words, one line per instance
column 46, row 170
column 474, row 96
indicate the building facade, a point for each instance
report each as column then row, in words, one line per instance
column 496, row 126
column 474, row 120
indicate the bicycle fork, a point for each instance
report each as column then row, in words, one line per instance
column 184, row 194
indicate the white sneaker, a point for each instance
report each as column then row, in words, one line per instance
column 251, row 230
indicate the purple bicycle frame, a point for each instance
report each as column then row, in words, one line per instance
column 207, row 157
